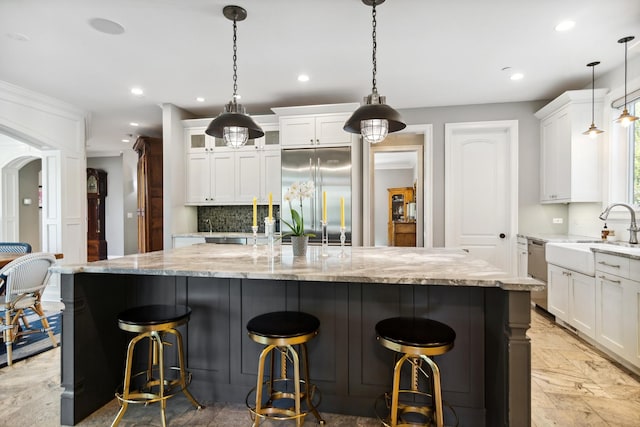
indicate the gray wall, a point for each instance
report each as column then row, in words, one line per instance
column 114, row 206
column 30, row 224
column 533, row 217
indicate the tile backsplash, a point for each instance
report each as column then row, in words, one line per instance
column 234, row 218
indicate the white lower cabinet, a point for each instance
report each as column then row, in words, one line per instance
column 571, row 298
column 618, row 305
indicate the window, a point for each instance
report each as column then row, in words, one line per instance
column 634, row 130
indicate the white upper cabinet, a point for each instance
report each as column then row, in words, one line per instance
column 569, row 161
column 219, row 175
column 316, row 125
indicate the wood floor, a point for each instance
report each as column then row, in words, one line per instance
column 572, row 385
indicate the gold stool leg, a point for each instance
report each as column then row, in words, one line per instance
column 263, row 355
column 436, row 391
column 183, row 370
column 127, row 378
column 296, row 384
column 159, row 359
column 307, row 382
column 396, row 390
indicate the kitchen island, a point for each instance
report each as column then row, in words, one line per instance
column 486, row 377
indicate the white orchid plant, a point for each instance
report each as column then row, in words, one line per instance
column 298, row 192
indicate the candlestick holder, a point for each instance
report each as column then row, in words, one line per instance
column 270, row 234
column 343, row 237
column 254, row 228
column 325, row 239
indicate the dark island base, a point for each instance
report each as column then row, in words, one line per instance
column 486, row 377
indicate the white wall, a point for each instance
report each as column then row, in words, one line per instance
column 387, row 178
column 114, row 206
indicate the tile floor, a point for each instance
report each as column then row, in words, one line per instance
column 572, row 385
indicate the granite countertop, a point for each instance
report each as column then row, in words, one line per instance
column 391, row 265
column 560, row 238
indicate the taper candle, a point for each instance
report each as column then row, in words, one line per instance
column 324, row 206
column 270, row 207
column 255, row 211
column 341, row 211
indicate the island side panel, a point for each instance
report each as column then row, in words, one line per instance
column 462, row 369
column 93, row 347
column 508, row 357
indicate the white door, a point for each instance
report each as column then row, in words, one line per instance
column 481, row 183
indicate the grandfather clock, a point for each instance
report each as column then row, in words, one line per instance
column 96, row 193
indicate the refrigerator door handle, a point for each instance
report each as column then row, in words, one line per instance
column 313, row 173
column 319, row 183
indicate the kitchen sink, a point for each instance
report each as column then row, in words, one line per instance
column 574, row 256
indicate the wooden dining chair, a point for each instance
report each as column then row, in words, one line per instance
column 26, row 279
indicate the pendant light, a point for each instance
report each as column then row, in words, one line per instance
column 374, row 119
column 593, row 130
column 625, row 118
column 234, row 125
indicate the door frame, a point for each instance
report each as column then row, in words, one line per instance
column 510, row 127
column 426, row 192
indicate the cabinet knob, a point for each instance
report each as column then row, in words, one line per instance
column 311, row 141
column 502, row 235
column 317, row 141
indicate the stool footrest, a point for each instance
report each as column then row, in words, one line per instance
column 144, row 393
column 411, row 410
column 270, row 410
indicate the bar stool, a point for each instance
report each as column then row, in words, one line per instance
column 418, row 340
column 279, row 332
column 153, row 322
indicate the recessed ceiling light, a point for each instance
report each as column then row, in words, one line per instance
column 126, row 140
column 565, row 25
column 18, row 36
column 106, row 26
column 134, row 124
column 137, row 91
column 517, row 76
column 303, row 78
column 200, row 99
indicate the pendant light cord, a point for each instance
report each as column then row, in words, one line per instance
column 625, row 75
column 375, row 48
column 593, row 88
column 235, row 59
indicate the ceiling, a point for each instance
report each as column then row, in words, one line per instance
column 430, row 53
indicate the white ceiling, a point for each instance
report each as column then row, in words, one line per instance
column 430, row 53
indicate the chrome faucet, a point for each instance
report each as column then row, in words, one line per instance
column 208, row 221
column 633, row 228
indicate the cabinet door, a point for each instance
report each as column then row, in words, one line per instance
column 270, row 179
column 610, row 313
column 198, row 179
column 632, row 320
column 555, row 173
column 582, row 303
column 247, row 175
column 329, row 130
column 297, row 131
column 523, row 259
column 196, row 140
column 222, row 177
column 558, row 295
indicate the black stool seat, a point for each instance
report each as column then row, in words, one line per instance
column 150, row 317
column 416, row 332
column 283, row 324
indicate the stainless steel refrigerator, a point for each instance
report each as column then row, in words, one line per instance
column 330, row 170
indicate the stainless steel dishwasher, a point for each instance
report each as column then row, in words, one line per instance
column 537, row 268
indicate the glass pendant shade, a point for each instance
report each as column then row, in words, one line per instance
column 375, row 119
column 234, row 125
column 625, row 118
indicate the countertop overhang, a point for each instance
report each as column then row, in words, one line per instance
column 388, row 265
